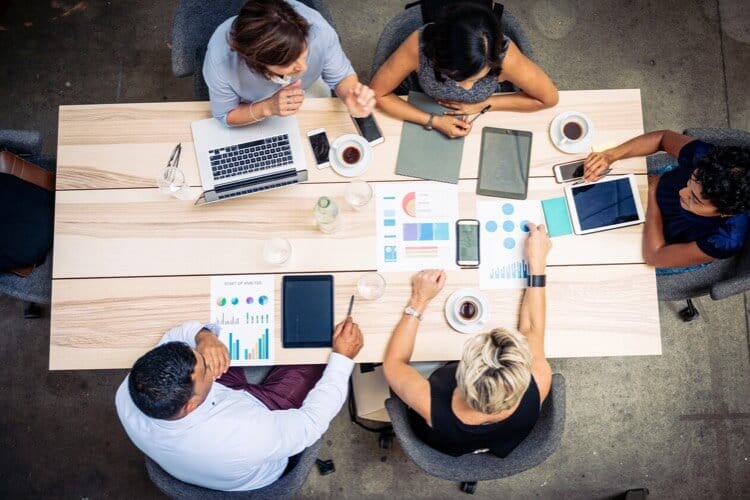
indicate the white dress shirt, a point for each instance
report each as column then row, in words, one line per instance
column 232, row 441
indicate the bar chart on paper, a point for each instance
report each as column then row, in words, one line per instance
column 243, row 306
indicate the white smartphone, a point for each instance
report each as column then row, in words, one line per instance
column 368, row 128
column 320, row 146
column 467, row 242
column 570, row 171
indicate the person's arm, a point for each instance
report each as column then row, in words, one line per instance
column 646, row 144
column 656, row 252
column 203, row 338
column 533, row 314
column 283, row 433
column 396, row 69
column 405, row 381
column 285, row 102
column 358, row 98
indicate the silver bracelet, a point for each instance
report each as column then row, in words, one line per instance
column 252, row 115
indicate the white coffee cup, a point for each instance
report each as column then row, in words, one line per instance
column 574, row 128
column 467, row 310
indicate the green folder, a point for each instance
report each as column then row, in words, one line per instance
column 428, row 154
column 557, row 217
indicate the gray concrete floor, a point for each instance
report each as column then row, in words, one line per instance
column 678, row 424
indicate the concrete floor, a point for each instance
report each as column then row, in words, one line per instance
column 678, row 424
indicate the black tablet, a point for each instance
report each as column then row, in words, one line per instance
column 504, row 163
column 307, row 304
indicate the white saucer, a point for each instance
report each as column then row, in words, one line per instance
column 484, row 315
column 555, row 134
column 343, row 142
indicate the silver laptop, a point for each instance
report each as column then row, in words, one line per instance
column 237, row 161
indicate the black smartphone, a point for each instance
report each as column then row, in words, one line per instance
column 368, row 128
column 570, row 171
column 320, row 146
column 467, row 242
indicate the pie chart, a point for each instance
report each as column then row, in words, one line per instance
column 409, row 204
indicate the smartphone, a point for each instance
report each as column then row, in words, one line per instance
column 368, row 128
column 570, row 171
column 320, row 146
column 467, row 242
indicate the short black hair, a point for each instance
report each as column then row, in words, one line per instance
column 465, row 38
column 160, row 382
column 724, row 174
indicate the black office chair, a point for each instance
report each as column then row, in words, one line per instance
column 543, row 440
column 194, row 23
column 407, row 22
column 721, row 278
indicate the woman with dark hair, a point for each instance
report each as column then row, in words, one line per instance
column 260, row 63
column 459, row 61
column 698, row 210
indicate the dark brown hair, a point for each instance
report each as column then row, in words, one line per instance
column 268, row 33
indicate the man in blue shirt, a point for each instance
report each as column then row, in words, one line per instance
column 260, row 62
column 698, row 210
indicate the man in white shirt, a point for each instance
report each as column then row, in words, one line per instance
column 223, row 438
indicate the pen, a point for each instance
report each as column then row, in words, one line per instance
column 351, row 303
column 484, row 110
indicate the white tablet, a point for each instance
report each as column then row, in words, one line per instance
column 607, row 204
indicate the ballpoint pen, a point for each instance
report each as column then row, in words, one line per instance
column 351, row 303
column 483, row 111
column 174, row 159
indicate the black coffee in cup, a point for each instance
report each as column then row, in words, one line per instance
column 351, row 155
column 573, row 130
column 468, row 310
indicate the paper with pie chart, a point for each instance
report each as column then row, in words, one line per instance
column 415, row 226
column 243, row 305
column 503, row 240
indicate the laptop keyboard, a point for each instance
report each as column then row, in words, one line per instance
column 249, row 157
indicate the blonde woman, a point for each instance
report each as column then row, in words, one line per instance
column 490, row 399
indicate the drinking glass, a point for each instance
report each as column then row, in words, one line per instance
column 371, row 286
column 277, row 251
column 358, row 194
column 172, row 181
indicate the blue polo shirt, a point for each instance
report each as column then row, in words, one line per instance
column 718, row 237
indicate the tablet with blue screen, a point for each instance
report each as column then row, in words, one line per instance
column 607, row 204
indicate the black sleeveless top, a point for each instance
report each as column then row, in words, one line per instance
column 453, row 437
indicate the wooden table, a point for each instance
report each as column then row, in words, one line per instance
column 130, row 262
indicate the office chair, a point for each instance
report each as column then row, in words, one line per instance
column 721, row 278
column 35, row 288
column 539, row 444
column 194, row 23
column 400, row 26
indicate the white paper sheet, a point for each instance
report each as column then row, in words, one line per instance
column 503, row 241
column 415, row 226
column 243, row 305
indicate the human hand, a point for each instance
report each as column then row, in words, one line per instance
column 287, row 101
column 452, row 126
column 463, row 108
column 347, row 338
column 425, row 285
column 360, row 100
column 538, row 245
column 595, row 165
column 214, row 351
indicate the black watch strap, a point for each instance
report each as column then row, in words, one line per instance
column 537, row 280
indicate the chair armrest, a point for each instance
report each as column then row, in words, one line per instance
column 26, row 142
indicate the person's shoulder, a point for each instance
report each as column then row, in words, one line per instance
column 693, row 150
column 218, row 45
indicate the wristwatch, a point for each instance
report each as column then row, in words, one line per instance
column 537, row 280
column 410, row 311
column 428, row 125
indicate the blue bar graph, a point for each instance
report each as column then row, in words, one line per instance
column 514, row 270
column 259, row 349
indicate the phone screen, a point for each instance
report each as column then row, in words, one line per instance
column 573, row 170
column 368, row 128
column 320, row 147
column 468, row 243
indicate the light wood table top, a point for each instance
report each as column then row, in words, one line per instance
column 130, row 262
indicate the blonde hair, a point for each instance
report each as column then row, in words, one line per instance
column 494, row 371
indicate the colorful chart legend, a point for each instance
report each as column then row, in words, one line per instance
column 243, row 306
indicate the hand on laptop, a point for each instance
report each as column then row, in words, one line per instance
column 347, row 338
column 287, row 101
column 359, row 100
column 452, row 126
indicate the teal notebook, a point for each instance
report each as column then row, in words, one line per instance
column 428, row 154
column 557, row 217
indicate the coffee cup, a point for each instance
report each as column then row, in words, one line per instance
column 467, row 310
column 350, row 154
column 573, row 129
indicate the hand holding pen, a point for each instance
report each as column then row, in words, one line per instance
column 597, row 165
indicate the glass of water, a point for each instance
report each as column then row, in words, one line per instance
column 277, row 251
column 371, row 286
column 358, row 194
column 172, row 181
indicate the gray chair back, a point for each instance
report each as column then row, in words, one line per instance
column 721, row 278
column 194, row 23
column 285, row 487
column 543, row 440
column 403, row 24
